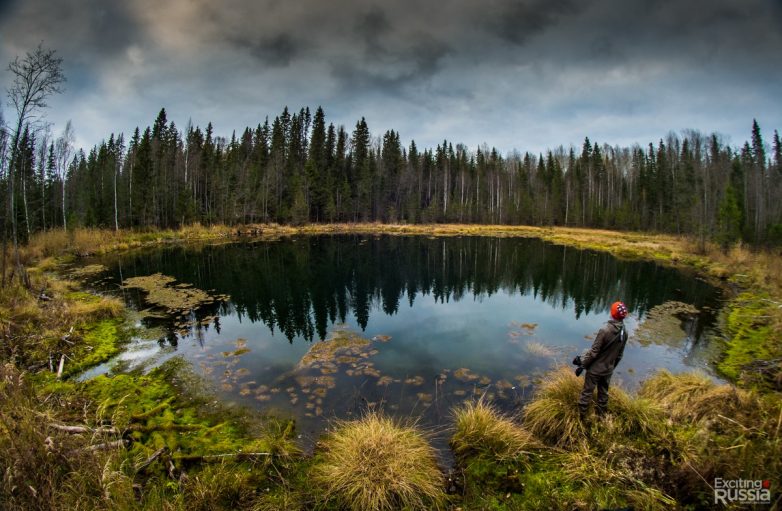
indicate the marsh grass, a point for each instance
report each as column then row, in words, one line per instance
column 375, row 464
column 552, row 415
column 611, row 480
column 694, row 396
column 479, row 428
column 47, row 469
column 722, row 431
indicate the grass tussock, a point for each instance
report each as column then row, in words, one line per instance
column 375, row 464
column 481, row 429
column 553, row 415
column 694, row 396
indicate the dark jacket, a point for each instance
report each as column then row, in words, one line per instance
column 606, row 352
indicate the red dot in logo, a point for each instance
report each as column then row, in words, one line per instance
column 766, row 484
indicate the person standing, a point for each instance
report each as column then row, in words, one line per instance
column 601, row 360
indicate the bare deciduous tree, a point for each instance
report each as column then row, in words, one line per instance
column 36, row 77
column 64, row 147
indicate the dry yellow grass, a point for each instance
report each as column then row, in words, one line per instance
column 481, row 429
column 553, row 414
column 694, row 396
column 376, row 464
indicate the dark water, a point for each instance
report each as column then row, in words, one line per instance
column 508, row 310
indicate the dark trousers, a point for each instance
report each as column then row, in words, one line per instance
column 590, row 382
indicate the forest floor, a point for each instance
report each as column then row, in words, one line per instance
column 160, row 441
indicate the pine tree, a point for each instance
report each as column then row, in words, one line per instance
column 729, row 219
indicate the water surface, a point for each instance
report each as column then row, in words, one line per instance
column 446, row 319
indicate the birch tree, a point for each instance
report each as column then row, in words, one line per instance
column 36, row 77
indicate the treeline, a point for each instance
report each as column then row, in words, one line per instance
column 297, row 169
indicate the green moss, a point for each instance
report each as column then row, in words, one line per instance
column 751, row 337
column 170, row 407
column 100, row 341
column 81, row 296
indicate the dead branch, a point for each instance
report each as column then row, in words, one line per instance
column 84, row 429
column 106, row 446
column 155, row 455
column 211, row 458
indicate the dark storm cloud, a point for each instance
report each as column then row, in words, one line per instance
column 85, row 28
column 391, row 61
column 404, row 69
column 274, row 51
column 370, row 27
column 6, row 6
column 518, row 20
column 507, row 72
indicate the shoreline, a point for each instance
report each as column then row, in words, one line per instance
column 752, row 280
column 160, row 412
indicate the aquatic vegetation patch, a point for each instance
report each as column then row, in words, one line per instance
column 342, row 344
column 464, row 374
column 539, row 349
column 173, row 299
column 87, row 271
column 663, row 324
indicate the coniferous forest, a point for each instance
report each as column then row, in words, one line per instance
column 299, row 168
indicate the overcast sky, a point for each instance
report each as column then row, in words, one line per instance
column 515, row 74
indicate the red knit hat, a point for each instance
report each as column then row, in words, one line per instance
column 618, row 311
